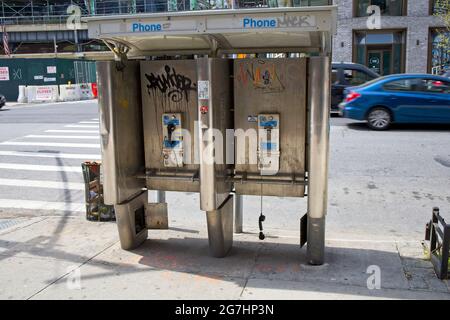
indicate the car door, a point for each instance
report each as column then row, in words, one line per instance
column 337, row 88
column 438, row 99
column 408, row 101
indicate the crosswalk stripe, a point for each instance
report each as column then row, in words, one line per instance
column 42, row 184
column 42, row 205
column 51, row 155
column 72, row 131
column 36, row 167
column 51, row 144
column 60, row 137
column 95, row 119
column 88, row 122
column 80, row 126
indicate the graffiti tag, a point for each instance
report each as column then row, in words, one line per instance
column 263, row 76
column 295, row 21
column 176, row 86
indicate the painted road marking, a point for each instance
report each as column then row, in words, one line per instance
column 42, row 184
column 88, row 122
column 51, row 144
column 72, row 131
column 36, row 167
column 80, row 126
column 51, row 155
column 61, row 137
column 42, row 205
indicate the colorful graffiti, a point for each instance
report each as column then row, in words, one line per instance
column 262, row 75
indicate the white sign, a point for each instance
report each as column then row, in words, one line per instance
column 51, row 69
column 49, row 79
column 38, row 77
column 4, row 73
column 44, row 93
column 203, row 90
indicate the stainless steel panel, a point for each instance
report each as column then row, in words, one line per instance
column 220, row 228
column 238, row 213
column 214, row 118
column 273, row 86
column 121, row 130
column 169, row 87
column 130, row 237
column 319, row 130
column 156, row 216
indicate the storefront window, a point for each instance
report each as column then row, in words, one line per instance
column 387, row 7
column 439, row 6
column 380, row 51
column 440, row 50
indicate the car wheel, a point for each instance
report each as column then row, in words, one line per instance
column 379, row 119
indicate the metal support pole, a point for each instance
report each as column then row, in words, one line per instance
column 238, row 213
column 319, row 117
column 160, row 196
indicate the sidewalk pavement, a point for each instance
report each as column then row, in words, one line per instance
column 43, row 258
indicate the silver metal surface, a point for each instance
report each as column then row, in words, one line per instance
column 121, row 130
column 316, row 241
column 220, row 228
column 238, row 213
column 283, row 93
column 156, row 216
column 160, row 196
column 169, row 87
column 319, row 129
column 130, row 237
column 295, row 29
column 214, row 187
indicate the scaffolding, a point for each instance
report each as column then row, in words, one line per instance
column 57, row 11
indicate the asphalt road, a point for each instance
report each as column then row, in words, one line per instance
column 382, row 185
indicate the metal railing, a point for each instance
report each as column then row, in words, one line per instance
column 437, row 232
column 30, row 20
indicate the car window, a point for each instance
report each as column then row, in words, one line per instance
column 334, row 76
column 435, row 86
column 356, row 77
column 404, row 85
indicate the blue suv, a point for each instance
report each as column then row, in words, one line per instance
column 401, row 98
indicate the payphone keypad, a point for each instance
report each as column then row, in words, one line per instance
column 172, row 140
column 268, row 144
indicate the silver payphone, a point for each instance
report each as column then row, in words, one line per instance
column 165, row 122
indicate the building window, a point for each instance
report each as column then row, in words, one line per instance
column 439, row 49
column 387, row 7
column 381, row 51
column 439, row 6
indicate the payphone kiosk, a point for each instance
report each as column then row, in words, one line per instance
column 179, row 112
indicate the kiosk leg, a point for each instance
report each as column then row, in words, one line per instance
column 160, row 196
column 220, row 228
column 238, row 213
column 131, row 222
column 156, row 215
column 319, row 117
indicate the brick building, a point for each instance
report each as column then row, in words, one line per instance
column 407, row 40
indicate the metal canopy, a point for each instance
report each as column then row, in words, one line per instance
column 299, row 29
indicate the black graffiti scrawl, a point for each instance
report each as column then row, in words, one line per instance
column 176, row 86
